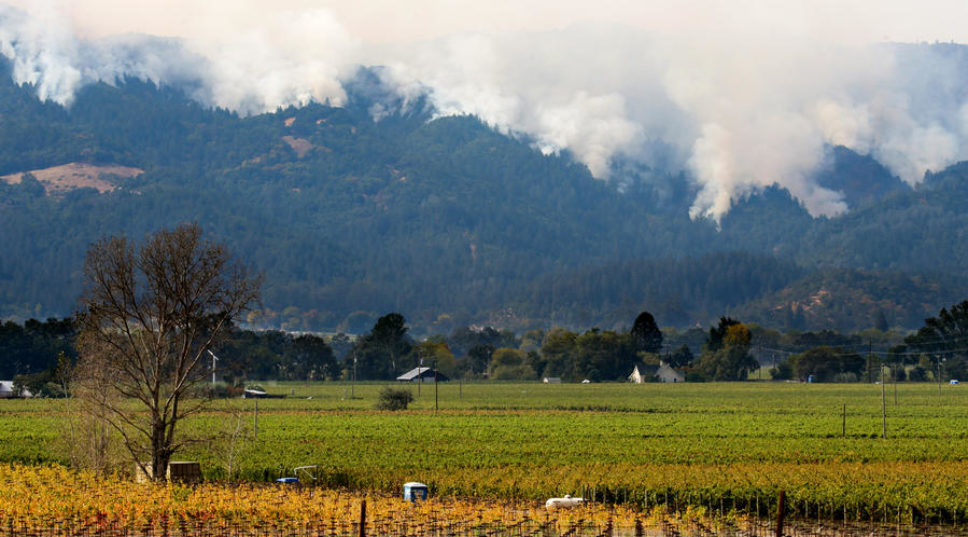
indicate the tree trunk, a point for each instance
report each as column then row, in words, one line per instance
column 160, row 455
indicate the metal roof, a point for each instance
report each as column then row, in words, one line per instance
column 413, row 373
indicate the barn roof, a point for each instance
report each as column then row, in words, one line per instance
column 423, row 372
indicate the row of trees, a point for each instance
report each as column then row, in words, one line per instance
column 597, row 355
column 33, row 353
column 34, row 346
column 388, row 350
column 726, row 351
column 937, row 351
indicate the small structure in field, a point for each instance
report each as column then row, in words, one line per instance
column 642, row 373
column 551, row 380
column 422, row 374
column 178, row 471
column 414, row 491
column 667, row 373
column 662, row 373
column 258, row 392
column 567, row 501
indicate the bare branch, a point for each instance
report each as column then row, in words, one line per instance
column 148, row 318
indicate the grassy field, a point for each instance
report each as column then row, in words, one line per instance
column 718, row 446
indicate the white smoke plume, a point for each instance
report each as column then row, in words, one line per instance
column 291, row 59
column 739, row 112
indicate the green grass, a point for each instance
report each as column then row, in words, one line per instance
column 689, row 443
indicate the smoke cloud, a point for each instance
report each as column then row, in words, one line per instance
column 737, row 111
column 290, row 59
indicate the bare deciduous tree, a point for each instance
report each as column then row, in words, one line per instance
column 148, row 316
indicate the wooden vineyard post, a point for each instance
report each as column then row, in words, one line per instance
column 779, row 515
column 843, row 432
column 363, row 518
column 883, row 406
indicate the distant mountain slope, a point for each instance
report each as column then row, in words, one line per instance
column 861, row 179
column 343, row 213
column 677, row 291
column 442, row 219
column 853, row 298
column 922, row 230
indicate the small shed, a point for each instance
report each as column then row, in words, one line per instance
column 414, row 491
column 422, row 374
column 667, row 373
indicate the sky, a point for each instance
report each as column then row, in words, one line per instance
column 382, row 21
column 741, row 94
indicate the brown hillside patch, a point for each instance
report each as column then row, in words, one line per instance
column 300, row 145
column 75, row 175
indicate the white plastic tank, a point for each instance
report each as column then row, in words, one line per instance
column 567, row 501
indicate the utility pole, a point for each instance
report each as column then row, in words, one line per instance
column 214, row 359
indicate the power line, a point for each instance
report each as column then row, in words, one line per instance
column 841, row 350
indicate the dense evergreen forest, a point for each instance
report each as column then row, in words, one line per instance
column 452, row 223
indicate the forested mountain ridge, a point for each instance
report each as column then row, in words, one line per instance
column 446, row 220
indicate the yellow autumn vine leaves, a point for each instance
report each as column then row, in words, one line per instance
column 53, row 497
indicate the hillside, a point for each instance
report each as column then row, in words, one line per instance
column 444, row 219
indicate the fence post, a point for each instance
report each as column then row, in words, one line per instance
column 363, row 518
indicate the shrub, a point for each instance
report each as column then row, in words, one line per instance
column 917, row 374
column 845, row 377
column 394, row 399
column 514, row 372
column 695, row 376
